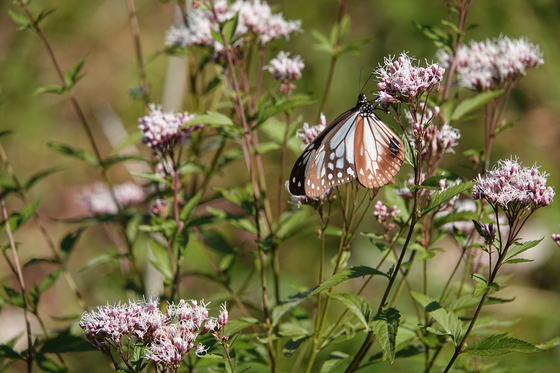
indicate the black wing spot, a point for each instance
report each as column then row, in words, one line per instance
column 394, row 146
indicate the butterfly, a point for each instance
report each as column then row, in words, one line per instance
column 357, row 144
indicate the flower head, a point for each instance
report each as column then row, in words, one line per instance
column 308, row 133
column 162, row 132
column 99, row 201
column 254, row 18
column 400, row 80
column 282, row 67
column 487, row 65
column 513, row 188
column 556, row 238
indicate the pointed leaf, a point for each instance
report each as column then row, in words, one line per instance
column 81, row 154
column 68, row 242
column 334, row 359
column 161, row 260
column 40, row 175
column 446, row 318
column 346, row 275
column 66, row 342
column 293, row 344
column 356, row 304
column 190, row 206
column 518, row 249
column 439, row 197
column 385, row 325
column 473, row 103
column 7, row 352
column 499, row 345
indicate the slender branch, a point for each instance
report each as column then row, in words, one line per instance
column 133, row 20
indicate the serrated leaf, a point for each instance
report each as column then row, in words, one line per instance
column 356, row 304
column 385, row 325
column 352, row 272
column 473, row 103
column 518, row 249
column 81, row 154
column 439, row 197
column 498, row 344
column 334, row 359
column 446, row 318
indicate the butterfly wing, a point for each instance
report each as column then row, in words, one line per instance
column 379, row 152
column 327, row 161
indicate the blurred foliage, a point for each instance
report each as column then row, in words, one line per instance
column 101, row 30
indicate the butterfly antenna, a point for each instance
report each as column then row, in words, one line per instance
column 369, row 77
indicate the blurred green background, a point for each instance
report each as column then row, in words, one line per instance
column 100, row 28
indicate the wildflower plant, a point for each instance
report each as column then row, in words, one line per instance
column 208, row 214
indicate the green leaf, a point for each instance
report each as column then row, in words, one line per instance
column 473, row 103
column 40, row 175
column 190, row 206
column 83, row 155
column 271, row 108
column 48, row 365
column 293, row 344
column 548, row 345
column 438, row 36
column 7, row 352
column 242, row 197
column 499, row 345
column 334, row 359
column 518, row 249
column 49, row 280
column 211, row 118
column 110, row 162
column 18, row 219
column 111, row 256
column 239, row 324
column 229, row 29
column 73, row 76
column 433, row 182
column 385, row 326
column 20, row 19
column 505, row 126
column 133, row 139
column 150, row 176
column 66, row 342
column 439, row 197
column 235, row 220
column 68, row 242
column 217, row 242
column 323, row 44
column 161, row 260
column 352, row 272
column 6, row 133
column 446, row 318
column 53, row 88
column 356, row 304
column 14, row 297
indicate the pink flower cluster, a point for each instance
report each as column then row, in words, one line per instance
column 167, row 337
column 285, row 68
column 401, row 81
column 254, row 17
column 162, row 132
column 487, row 65
column 307, row 134
column 100, row 201
column 513, row 188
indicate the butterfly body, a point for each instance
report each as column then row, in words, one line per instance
column 356, row 145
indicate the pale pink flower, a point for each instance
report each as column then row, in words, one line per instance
column 401, row 81
column 308, row 133
column 487, row 65
column 282, row 67
column 513, row 188
column 162, row 132
column 99, row 201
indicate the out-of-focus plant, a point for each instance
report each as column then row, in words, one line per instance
column 234, row 115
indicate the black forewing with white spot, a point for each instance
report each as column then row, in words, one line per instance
column 356, row 141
